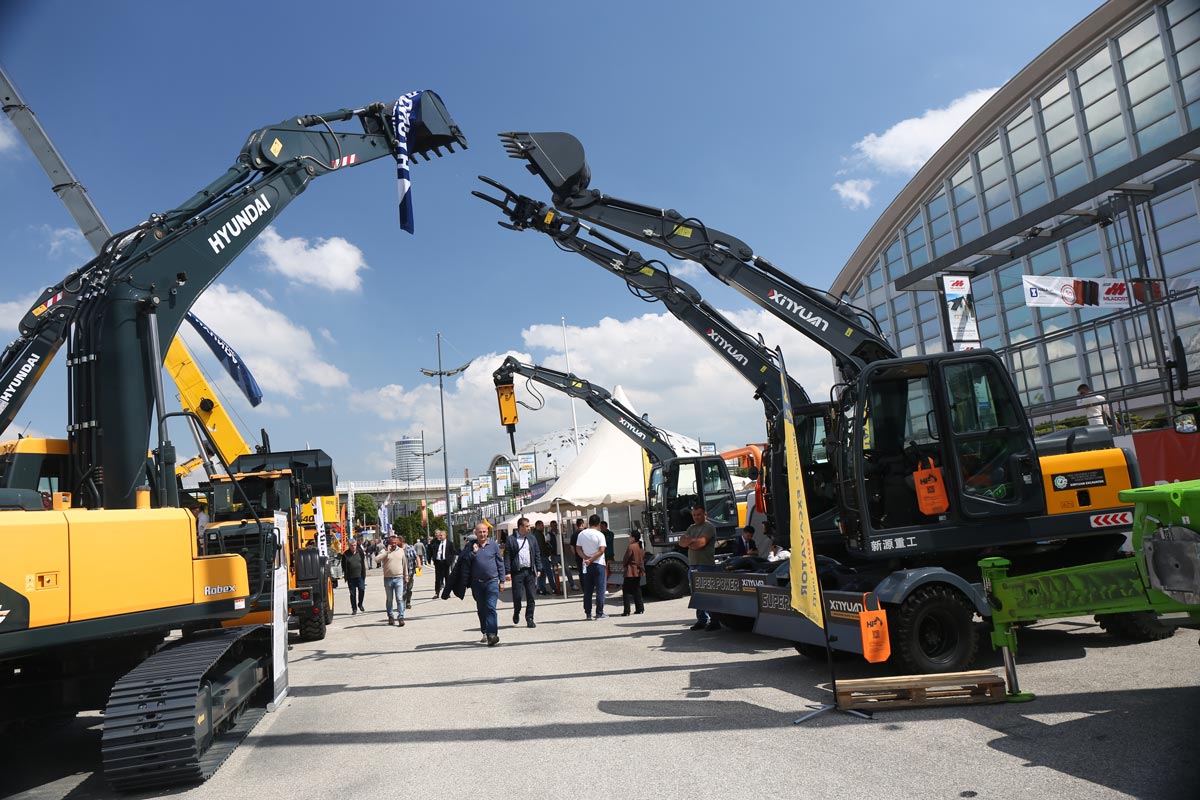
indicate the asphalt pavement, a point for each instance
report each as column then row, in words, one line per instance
column 641, row 706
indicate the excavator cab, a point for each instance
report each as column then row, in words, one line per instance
column 679, row 485
column 951, row 419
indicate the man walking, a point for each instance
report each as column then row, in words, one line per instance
column 414, row 563
column 485, row 571
column 543, row 567
column 700, row 540
column 442, row 555
column 354, row 569
column 395, row 574
column 522, row 558
column 590, row 549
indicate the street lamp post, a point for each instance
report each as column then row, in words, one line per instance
column 440, row 373
column 425, row 480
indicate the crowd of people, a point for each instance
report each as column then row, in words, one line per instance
column 527, row 559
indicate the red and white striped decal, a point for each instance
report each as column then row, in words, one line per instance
column 1112, row 520
column 54, row 299
column 345, row 161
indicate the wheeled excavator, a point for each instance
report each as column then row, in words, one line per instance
column 310, row 579
column 94, row 584
column 955, row 412
column 676, row 483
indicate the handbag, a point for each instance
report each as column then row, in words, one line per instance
column 873, row 627
column 931, row 488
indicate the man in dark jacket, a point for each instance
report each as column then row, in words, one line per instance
column 354, row 568
column 441, row 553
column 522, row 559
column 481, row 567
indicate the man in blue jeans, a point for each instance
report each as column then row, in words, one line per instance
column 590, row 548
column 487, row 581
column 395, row 576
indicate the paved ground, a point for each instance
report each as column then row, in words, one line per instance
column 642, row 707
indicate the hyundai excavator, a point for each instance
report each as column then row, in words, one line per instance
column 93, row 584
column 956, row 413
column 676, row 483
column 310, row 580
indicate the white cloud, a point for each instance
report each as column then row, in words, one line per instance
column 665, row 371
column 67, row 242
column 13, row 311
column 855, row 193
column 327, row 335
column 8, row 136
column 325, row 263
column 282, row 355
column 908, row 144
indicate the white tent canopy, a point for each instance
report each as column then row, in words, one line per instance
column 607, row 472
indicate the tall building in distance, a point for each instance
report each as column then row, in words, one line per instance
column 409, row 464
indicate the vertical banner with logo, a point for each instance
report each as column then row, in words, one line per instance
column 960, row 312
column 439, row 508
column 806, row 595
column 383, row 519
column 503, row 479
column 319, row 521
column 527, row 467
column 708, row 448
column 279, row 614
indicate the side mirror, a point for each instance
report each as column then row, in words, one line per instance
column 306, row 492
column 753, row 473
column 1185, row 423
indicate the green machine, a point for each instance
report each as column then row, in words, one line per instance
column 1162, row 576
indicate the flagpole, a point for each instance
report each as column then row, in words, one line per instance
column 803, row 569
column 567, row 356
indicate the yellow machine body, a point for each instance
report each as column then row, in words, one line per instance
column 79, row 564
column 1091, row 479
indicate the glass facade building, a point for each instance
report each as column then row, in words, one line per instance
column 1120, row 85
column 410, row 466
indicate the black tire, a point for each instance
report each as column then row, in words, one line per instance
column 735, row 623
column 1135, row 626
column 312, row 626
column 933, row 630
column 814, row 651
column 329, row 601
column 668, row 579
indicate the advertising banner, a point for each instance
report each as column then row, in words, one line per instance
column 439, row 508
column 279, row 616
column 527, row 462
column 805, row 594
column 960, row 311
column 1043, row 291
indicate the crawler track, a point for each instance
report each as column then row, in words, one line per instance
column 160, row 726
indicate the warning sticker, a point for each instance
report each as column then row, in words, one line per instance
column 1078, row 480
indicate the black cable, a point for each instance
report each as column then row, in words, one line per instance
column 533, row 391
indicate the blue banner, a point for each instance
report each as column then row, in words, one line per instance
column 229, row 359
column 402, row 119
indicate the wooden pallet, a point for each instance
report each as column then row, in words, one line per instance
column 917, row 691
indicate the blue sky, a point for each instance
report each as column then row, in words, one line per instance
column 790, row 125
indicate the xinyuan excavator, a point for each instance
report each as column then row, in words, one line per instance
column 676, row 483
column 955, row 412
column 310, row 578
column 86, row 620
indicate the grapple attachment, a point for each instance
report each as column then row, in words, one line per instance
column 433, row 127
column 557, row 158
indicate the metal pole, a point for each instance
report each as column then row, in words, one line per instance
column 567, row 355
column 425, row 481
column 445, row 444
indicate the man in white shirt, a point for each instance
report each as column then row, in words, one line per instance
column 590, row 548
column 522, row 557
column 1093, row 404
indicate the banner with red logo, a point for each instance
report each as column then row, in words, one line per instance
column 1046, row 291
column 960, row 310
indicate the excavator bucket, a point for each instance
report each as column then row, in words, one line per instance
column 557, row 158
column 433, row 127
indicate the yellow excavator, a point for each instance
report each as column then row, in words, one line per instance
column 96, row 572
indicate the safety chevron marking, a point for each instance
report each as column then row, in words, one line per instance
column 1112, row 520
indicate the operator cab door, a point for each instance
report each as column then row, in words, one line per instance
column 988, row 442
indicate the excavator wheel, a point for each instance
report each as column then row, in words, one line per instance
column 933, row 630
column 1135, row 626
column 312, row 626
column 668, row 579
column 329, row 601
column 735, row 623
